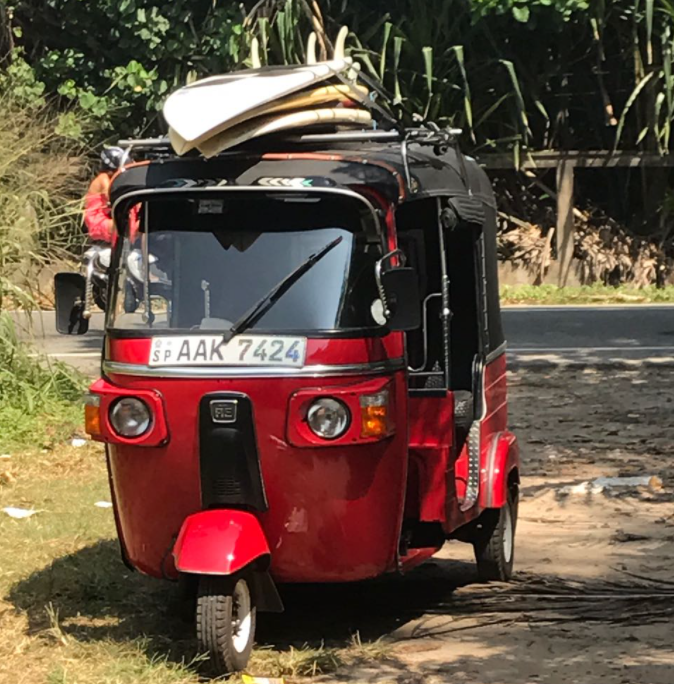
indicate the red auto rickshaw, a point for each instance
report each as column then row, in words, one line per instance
column 311, row 383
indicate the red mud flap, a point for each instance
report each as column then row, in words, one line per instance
column 219, row 542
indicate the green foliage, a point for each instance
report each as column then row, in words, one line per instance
column 118, row 58
column 40, row 183
column 585, row 294
column 524, row 10
column 39, row 400
column 515, row 74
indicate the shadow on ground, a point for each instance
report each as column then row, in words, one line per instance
column 98, row 598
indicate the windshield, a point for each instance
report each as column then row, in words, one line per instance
column 211, row 261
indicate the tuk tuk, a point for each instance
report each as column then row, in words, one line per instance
column 311, row 384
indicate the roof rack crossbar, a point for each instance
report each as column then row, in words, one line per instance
column 146, row 143
column 347, row 136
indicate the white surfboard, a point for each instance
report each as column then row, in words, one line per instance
column 264, row 125
column 300, row 100
column 198, row 109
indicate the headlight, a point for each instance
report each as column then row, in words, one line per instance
column 130, row 417
column 135, row 264
column 328, row 418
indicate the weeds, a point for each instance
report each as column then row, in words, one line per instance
column 39, row 399
column 586, row 294
column 72, row 613
column 40, row 187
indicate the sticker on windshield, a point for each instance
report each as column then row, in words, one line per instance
column 243, row 350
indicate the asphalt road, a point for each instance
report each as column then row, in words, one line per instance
column 583, row 334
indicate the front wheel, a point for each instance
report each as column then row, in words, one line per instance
column 226, row 622
column 495, row 546
column 99, row 293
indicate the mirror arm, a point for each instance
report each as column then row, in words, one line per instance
column 378, row 269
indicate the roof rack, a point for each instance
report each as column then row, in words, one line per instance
column 430, row 136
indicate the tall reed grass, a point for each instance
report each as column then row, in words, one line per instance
column 41, row 184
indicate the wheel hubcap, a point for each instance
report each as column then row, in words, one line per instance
column 242, row 621
column 507, row 534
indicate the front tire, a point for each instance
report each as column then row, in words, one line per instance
column 495, row 546
column 225, row 619
column 99, row 293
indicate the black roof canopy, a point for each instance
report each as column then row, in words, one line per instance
column 400, row 172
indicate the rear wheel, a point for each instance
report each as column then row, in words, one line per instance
column 495, row 546
column 226, row 622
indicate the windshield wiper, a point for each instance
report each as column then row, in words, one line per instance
column 263, row 305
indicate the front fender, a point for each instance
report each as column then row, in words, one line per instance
column 502, row 458
column 219, row 542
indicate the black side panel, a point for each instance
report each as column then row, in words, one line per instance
column 230, row 467
column 496, row 337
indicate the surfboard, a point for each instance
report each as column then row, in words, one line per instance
column 200, row 108
column 265, row 125
column 300, row 100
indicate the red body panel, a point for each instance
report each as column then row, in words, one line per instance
column 494, row 427
column 335, row 511
column 503, row 457
column 431, row 427
column 219, row 542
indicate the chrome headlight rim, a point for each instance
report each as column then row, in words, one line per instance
column 143, row 421
column 335, row 405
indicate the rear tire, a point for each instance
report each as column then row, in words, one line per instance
column 226, row 622
column 495, row 546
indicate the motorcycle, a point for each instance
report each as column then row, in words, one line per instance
column 95, row 269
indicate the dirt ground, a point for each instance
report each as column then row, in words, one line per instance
column 594, row 596
column 592, row 602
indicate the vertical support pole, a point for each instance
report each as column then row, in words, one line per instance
column 565, row 230
column 446, row 313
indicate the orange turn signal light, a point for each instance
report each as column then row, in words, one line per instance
column 374, row 413
column 92, row 414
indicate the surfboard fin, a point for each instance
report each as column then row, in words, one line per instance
column 311, row 48
column 255, row 53
column 340, row 43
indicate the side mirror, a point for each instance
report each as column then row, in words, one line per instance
column 399, row 292
column 70, row 294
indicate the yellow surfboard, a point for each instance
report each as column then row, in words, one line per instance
column 265, row 125
column 301, row 100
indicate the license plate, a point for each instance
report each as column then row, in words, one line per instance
column 244, row 350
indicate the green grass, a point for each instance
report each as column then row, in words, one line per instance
column 72, row 613
column 40, row 400
column 586, row 294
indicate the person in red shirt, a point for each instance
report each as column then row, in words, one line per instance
column 97, row 211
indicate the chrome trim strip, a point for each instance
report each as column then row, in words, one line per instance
column 196, row 372
column 495, row 353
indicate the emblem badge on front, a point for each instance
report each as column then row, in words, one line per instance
column 223, row 410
